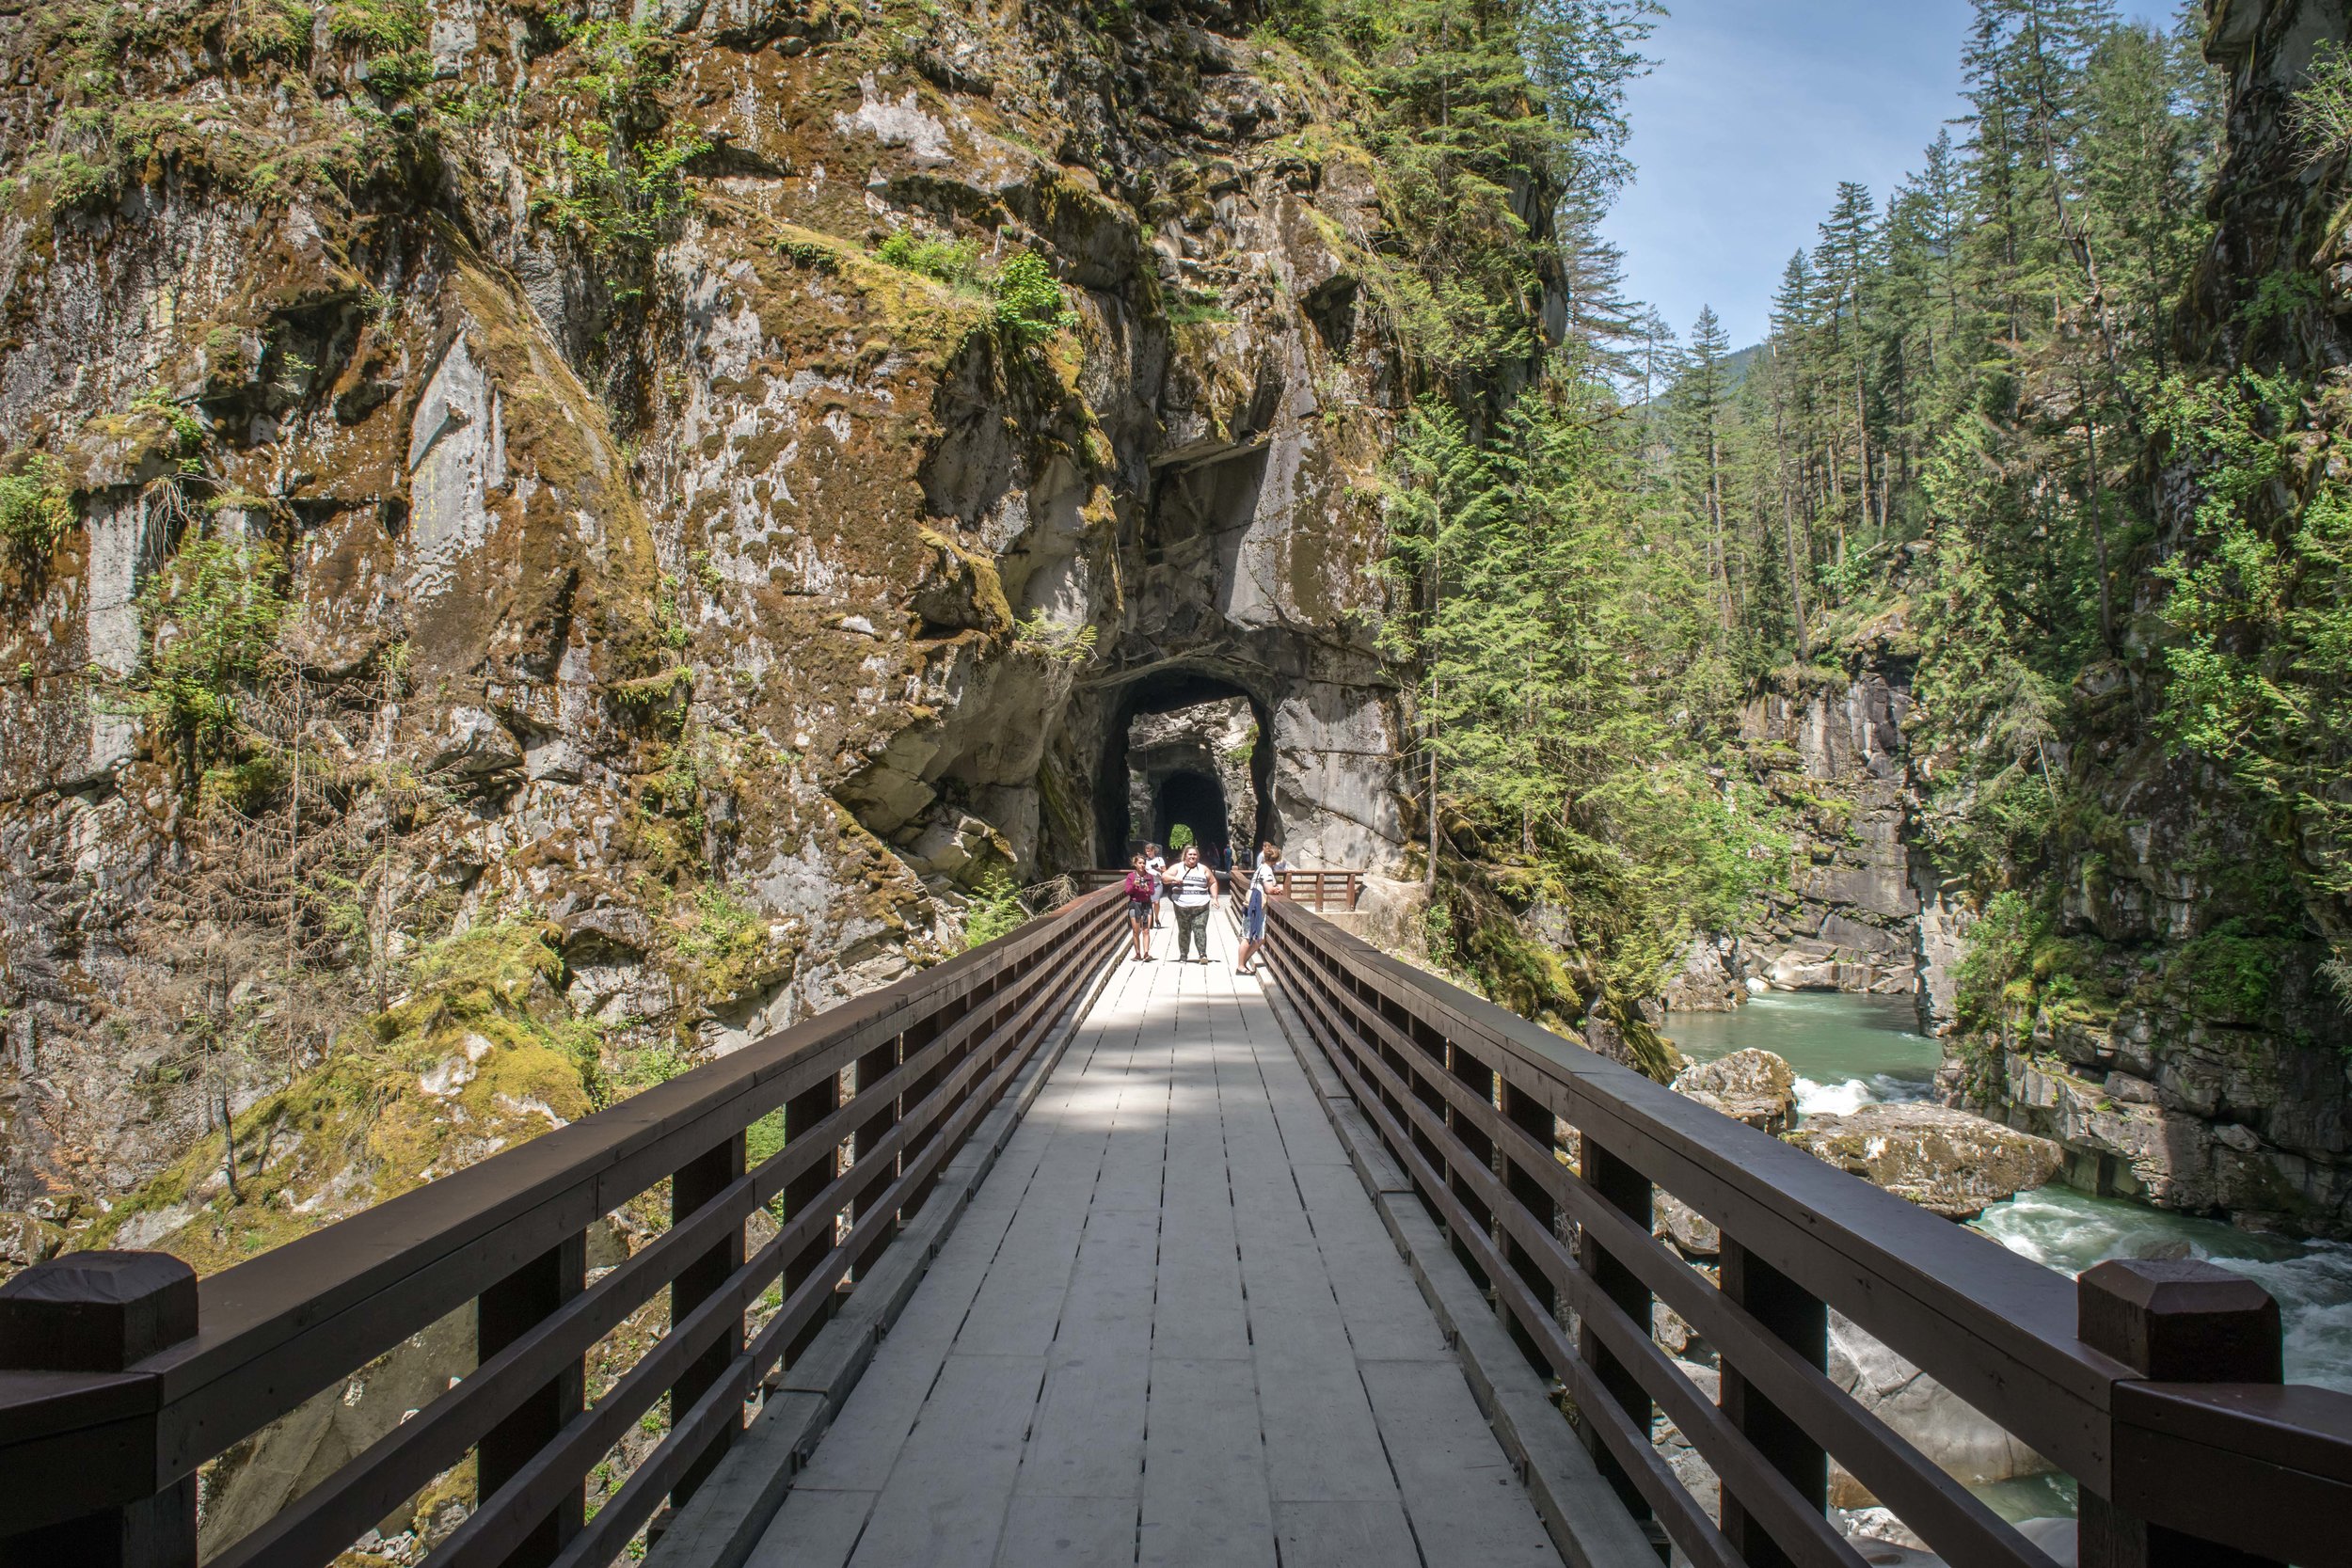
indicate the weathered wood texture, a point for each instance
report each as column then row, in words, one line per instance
column 1169, row 1329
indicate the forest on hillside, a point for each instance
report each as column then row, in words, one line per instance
column 1945, row 459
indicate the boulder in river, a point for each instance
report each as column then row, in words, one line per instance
column 1951, row 1161
column 1945, row 1428
column 1751, row 1086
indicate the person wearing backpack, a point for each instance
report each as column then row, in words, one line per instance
column 1143, row 892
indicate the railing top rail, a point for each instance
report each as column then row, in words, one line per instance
column 276, row 1329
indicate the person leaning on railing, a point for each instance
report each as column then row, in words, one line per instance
column 1191, row 893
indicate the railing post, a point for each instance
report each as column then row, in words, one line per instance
column 800, row 1112
column 1795, row 1317
column 2171, row 1320
column 690, row 1187
column 1619, row 1185
column 104, row 1312
column 503, row 1314
column 872, row 1068
column 1533, row 1117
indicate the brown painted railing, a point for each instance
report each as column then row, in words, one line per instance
column 130, row 1375
column 2155, row 1384
column 1323, row 891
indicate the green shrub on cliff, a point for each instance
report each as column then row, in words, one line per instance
column 950, row 261
column 1030, row 307
column 613, row 176
column 2262, row 606
column 479, row 1054
column 212, row 619
column 1465, row 110
column 996, row 911
column 36, row 508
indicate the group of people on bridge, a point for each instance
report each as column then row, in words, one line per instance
column 1189, row 886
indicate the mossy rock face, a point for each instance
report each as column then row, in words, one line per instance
column 476, row 1060
column 701, row 603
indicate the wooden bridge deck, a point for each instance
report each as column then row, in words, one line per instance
column 1169, row 1328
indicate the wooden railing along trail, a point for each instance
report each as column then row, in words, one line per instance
column 2156, row 1386
column 128, row 1375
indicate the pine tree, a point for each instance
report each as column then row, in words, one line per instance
column 1702, row 398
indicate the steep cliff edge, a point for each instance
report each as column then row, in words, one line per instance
column 721, row 487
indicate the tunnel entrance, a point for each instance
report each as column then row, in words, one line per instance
column 1195, row 802
column 1186, row 749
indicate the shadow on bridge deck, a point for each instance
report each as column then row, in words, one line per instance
column 1171, row 1327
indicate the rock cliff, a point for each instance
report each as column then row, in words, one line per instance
column 2161, row 1008
column 720, row 486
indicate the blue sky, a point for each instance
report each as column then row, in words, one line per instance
column 1754, row 112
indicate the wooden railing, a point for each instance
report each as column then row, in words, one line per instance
column 1323, row 891
column 128, row 1375
column 2156, row 1386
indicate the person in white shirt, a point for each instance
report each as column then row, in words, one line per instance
column 1156, row 863
column 1192, row 890
column 1265, row 882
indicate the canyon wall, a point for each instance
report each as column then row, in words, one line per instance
column 720, row 564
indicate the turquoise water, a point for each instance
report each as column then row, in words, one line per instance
column 2312, row 1280
column 1848, row 1051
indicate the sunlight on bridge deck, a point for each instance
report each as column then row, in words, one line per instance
column 1170, row 1328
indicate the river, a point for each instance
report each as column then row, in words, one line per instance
column 1848, row 1051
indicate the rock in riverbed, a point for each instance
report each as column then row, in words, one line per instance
column 1751, row 1086
column 1948, row 1162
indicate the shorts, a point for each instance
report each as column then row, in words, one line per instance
column 1138, row 914
column 1253, row 921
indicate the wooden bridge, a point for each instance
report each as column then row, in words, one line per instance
column 1067, row 1258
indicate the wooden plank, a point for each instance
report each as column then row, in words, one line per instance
column 1466, row 1501
column 1018, row 1305
column 814, row 1529
column 1205, row 1503
column 1087, row 1440
column 859, row 1451
column 1386, row 1317
column 1199, row 1312
column 1067, row 1532
column 1344, row 1535
column 944, row 1506
column 1322, row 1443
